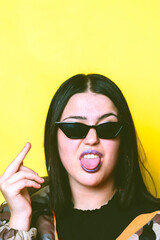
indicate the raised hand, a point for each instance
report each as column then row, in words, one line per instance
column 13, row 184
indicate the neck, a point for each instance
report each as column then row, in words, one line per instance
column 90, row 198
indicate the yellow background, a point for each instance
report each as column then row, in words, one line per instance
column 43, row 42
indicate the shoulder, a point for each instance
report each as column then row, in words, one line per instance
column 151, row 229
column 42, row 217
column 144, row 226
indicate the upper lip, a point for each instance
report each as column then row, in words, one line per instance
column 95, row 152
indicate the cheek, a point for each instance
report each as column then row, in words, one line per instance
column 112, row 149
column 114, row 146
column 67, row 149
column 62, row 146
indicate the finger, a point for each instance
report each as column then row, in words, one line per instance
column 17, row 162
column 16, row 188
column 20, row 185
column 24, row 168
column 24, row 175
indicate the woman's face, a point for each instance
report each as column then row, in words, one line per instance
column 90, row 161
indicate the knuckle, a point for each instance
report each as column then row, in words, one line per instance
column 25, row 182
column 3, row 186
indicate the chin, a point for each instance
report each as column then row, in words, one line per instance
column 92, row 180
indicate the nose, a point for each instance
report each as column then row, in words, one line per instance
column 91, row 137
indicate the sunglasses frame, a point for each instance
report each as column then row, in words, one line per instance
column 59, row 124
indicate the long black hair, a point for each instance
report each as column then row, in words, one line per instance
column 128, row 177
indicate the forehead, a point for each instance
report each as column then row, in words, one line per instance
column 89, row 104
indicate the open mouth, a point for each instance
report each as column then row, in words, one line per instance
column 91, row 160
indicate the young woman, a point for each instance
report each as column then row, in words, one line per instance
column 92, row 156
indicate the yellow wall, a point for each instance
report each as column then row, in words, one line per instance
column 43, row 42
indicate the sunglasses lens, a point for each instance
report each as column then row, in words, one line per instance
column 109, row 130
column 74, row 130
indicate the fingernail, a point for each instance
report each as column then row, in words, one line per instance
column 28, row 143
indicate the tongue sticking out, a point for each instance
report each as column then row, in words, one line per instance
column 91, row 164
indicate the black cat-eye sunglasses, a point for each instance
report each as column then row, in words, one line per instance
column 76, row 130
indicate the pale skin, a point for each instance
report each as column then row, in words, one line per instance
column 89, row 190
column 13, row 184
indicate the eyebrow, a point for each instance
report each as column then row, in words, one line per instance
column 85, row 118
column 76, row 117
column 107, row 115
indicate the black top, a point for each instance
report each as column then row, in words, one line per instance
column 108, row 222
